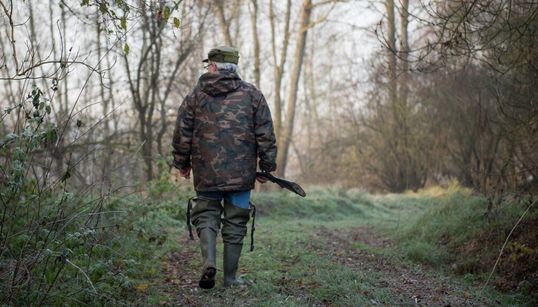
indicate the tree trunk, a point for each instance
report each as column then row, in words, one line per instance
column 391, row 56
column 224, row 24
column 256, row 41
column 107, row 150
column 409, row 165
column 285, row 138
column 279, row 66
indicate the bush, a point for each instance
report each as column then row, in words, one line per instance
column 63, row 247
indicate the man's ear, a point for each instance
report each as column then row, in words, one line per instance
column 212, row 67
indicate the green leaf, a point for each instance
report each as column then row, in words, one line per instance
column 126, row 49
column 48, row 109
column 51, row 136
column 10, row 137
column 167, row 13
column 177, row 23
column 85, row 2
column 123, row 23
column 35, row 97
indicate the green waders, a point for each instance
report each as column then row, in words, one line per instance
column 234, row 229
column 206, row 217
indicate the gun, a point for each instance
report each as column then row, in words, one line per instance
column 283, row 183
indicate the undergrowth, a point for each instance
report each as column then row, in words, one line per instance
column 456, row 232
column 63, row 245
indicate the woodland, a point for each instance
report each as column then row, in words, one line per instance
column 412, row 125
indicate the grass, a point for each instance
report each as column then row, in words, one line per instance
column 454, row 229
column 441, row 233
column 287, row 271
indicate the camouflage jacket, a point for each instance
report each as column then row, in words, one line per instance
column 222, row 127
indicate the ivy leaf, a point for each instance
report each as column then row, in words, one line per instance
column 177, row 23
column 126, row 49
column 167, row 13
column 35, row 97
column 8, row 139
column 11, row 136
column 51, row 136
column 48, row 109
column 123, row 23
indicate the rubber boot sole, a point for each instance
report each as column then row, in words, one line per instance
column 207, row 281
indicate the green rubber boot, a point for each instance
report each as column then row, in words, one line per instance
column 234, row 229
column 208, row 245
column 232, row 253
column 206, row 217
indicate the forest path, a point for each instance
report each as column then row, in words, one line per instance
column 361, row 249
column 358, row 252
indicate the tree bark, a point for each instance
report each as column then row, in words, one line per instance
column 224, row 24
column 391, row 55
column 285, row 138
column 105, row 101
column 256, row 41
column 279, row 65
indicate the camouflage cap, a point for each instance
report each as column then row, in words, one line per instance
column 223, row 54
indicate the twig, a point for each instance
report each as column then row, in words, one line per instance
column 504, row 245
column 76, row 266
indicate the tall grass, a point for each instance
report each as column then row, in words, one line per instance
column 459, row 231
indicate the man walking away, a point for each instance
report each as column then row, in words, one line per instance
column 223, row 128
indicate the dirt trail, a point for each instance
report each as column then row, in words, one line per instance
column 181, row 270
column 410, row 285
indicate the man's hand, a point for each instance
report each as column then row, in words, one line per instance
column 261, row 179
column 185, row 173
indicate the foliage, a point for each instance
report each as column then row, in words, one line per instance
column 471, row 117
column 458, row 231
column 62, row 246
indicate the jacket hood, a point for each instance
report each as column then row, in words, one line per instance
column 220, row 83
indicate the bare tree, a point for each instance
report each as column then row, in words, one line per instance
column 284, row 139
column 225, row 22
column 256, row 41
column 278, row 64
column 152, row 76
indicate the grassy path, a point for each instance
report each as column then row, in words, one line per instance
column 312, row 265
column 326, row 252
column 361, row 250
